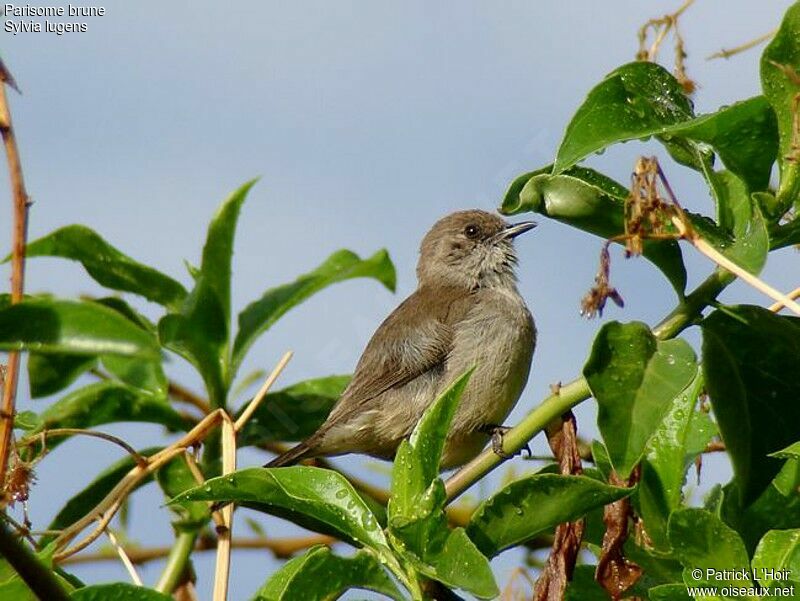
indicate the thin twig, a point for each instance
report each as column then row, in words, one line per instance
column 110, row 503
column 180, row 393
column 794, row 294
column 126, row 561
column 44, row 434
column 712, row 253
column 743, row 47
column 250, row 409
column 20, row 228
column 224, row 532
column 200, row 479
column 281, row 548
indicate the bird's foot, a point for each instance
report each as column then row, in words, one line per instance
column 497, row 433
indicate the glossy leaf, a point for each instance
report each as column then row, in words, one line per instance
column 124, row 309
column 118, row 590
column 634, row 378
column 77, row 506
column 175, row 478
column 594, row 203
column 780, row 65
column 701, row 541
column 324, row 494
column 147, row 376
column 669, row 592
column 777, row 508
column 107, row 265
column 108, row 402
column 778, row 551
column 199, row 334
column 82, row 328
column 215, row 268
column 199, row 331
column 790, row 452
column 319, row 575
column 664, row 466
column 534, row 504
column 342, row 265
column 460, row 565
column 417, row 462
column 750, row 356
column 295, row 412
column 633, row 101
column 744, row 134
column 53, row 372
column 740, row 217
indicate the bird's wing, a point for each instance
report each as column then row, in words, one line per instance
column 416, row 338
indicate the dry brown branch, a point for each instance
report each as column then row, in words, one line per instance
column 225, row 531
column 19, row 235
column 253, row 405
column 106, row 508
column 794, row 295
column 743, row 47
column 553, row 581
column 661, row 27
column 179, row 393
column 45, row 434
column 126, row 561
column 280, row 548
column 614, row 572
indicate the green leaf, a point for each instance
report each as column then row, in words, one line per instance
column 700, row 541
column 50, row 325
column 108, row 266
column 293, row 413
column 108, row 402
column 323, row 494
column 118, row 590
column 583, row 586
column 778, row 555
column 27, row 420
column 669, row 592
column 94, row 492
column 745, row 135
column 594, row 203
column 147, row 376
column 319, row 575
column 534, row 504
column 634, row 378
column 218, row 250
column 741, row 217
column 175, row 478
column 777, row 508
column 790, row 452
column 750, row 356
column 199, row 331
column 664, row 466
column 342, row 265
column 634, row 101
column 417, row 463
column 460, row 565
column 780, row 85
column 50, row 373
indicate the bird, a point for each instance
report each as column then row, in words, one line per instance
column 466, row 311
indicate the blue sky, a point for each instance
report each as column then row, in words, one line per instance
column 366, row 122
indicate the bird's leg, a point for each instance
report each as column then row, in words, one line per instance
column 497, row 433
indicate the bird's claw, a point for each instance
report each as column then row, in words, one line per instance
column 497, row 433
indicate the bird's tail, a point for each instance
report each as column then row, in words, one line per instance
column 291, row 456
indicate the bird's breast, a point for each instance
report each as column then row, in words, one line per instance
column 497, row 336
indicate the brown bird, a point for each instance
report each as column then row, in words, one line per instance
column 465, row 311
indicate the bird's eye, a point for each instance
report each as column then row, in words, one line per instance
column 471, row 231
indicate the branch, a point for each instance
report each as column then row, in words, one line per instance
column 743, row 47
column 44, row 434
column 569, row 395
column 40, row 579
column 21, row 204
column 281, row 548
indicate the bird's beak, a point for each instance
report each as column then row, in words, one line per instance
column 515, row 229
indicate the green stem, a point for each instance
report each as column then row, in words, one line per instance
column 577, row 391
column 41, row 580
column 176, row 562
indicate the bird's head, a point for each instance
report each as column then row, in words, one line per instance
column 472, row 249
